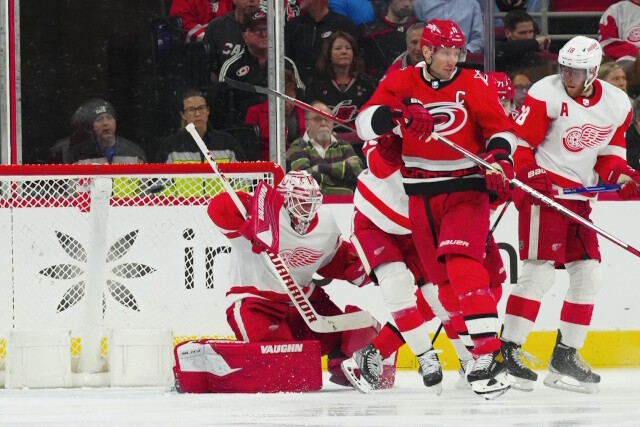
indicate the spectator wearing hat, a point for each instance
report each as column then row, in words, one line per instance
column 103, row 145
column 249, row 66
column 181, row 148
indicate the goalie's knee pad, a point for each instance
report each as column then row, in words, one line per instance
column 212, row 366
column 536, row 279
column 466, row 274
column 585, row 281
column 397, row 285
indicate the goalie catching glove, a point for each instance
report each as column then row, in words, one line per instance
column 262, row 227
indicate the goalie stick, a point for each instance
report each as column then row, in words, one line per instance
column 315, row 321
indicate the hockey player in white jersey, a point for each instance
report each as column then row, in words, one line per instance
column 309, row 241
column 571, row 130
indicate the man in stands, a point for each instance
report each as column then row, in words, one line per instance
column 224, row 34
column 103, row 145
column 196, row 15
column 448, row 193
column 571, row 131
column 304, row 35
column 309, row 242
column 413, row 54
column 384, row 39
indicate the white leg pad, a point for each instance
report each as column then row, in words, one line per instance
column 397, row 285
column 536, row 279
column 585, row 281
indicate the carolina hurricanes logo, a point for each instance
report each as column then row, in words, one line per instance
column 634, row 34
column 577, row 138
column 300, row 257
column 345, row 111
column 242, row 71
column 448, row 117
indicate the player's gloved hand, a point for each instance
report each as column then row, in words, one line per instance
column 415, row 120
column 389, row 147
column 246, row 230
column 629, row 179
column 535, row 177
column 498, row 180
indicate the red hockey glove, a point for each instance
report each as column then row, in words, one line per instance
column 629, row 179
column 415, row 120
column 535, row 177
column 262, row 226
column 499, row 178
column 629, row 191
column 390, row 148
column 246, row 230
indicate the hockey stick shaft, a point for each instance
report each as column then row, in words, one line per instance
column 247, row 87
column 315, row 321
column 495, row 224
column 541, row 197
column 435, row 336
column 594, row 189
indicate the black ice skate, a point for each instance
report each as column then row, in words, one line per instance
column 431, row 370
column 363, row 369
column 567, row 371
column 522, row 378
column 487, row 376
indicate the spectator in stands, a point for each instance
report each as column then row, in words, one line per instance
column 413, row 54
column 465, row 13
column 224, row 34
column 305, row 34
column 521, row 47
column 384, row 39
column 521, row 85
column 359, row 11
column 181, row 148
column 294, row 117
column 633, row 137
column 339, row 81
column 618, row 32
column 248, row 66
column 196, row 15
column 103, row 145
column 612, row 72
column 333, row 163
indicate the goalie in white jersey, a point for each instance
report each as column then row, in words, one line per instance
column 309, row 241
column 571, row 130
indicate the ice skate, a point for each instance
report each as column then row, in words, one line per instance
column 487, row 376
column 363, row 369
column 462, row 383
column 521, row 377
column 567, row 371
column 431, row 370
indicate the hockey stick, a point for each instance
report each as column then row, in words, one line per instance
column 315, row 321
column 541, row 197
column 594, row 189
column 247, row 87
column 495, row 224
column 435, row 336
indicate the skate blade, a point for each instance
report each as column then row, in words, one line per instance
column 520, row 384
column 437, row 388
column 564, row 382
column 349, row 367
column 492, row 387
column 462, row 384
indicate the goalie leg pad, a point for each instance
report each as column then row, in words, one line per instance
column 212, row 366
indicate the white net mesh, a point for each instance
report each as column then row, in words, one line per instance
column 165, row 264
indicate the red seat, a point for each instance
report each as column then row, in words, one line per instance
column 580, row 5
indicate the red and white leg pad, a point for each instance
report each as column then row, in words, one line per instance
column 213, row 366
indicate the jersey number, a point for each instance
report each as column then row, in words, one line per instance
column 524, row 112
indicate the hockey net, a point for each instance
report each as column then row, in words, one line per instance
column 137, row 236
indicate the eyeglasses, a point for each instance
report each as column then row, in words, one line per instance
column 523, row 88
column 259, row 31
column 192, row 110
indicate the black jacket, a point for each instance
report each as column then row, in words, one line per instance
column 633, row 147
column 181, row 148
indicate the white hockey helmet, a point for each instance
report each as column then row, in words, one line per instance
column 581, row 53
column 302, row 198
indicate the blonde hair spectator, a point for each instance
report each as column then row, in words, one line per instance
column 612, row 72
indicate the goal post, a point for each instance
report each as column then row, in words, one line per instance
column 93, row 248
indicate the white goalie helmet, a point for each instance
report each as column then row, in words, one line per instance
column 302, row 198
column 581, row 53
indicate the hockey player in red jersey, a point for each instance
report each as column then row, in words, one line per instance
column 571, row 130
column 309, row 242
column 448, row 193
column 506, row 92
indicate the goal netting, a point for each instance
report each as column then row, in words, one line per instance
column 115, row 247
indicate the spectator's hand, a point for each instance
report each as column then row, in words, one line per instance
column 544, row 43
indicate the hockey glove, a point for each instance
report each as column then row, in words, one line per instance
column 262, row 226
column 535, row 177
column 415, row 120
column 629, row 179
column 246, row 230
column 389, row 147
column 499, row 178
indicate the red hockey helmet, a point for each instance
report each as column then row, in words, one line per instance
column 504, row 85
column 446, row 34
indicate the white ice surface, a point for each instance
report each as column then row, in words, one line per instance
column 408, row 403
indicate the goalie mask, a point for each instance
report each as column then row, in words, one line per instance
column 579, row 61
column 302, row 198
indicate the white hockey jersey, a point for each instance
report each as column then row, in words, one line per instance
column 575, row 140
column 619, row 30
column 380, row 196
